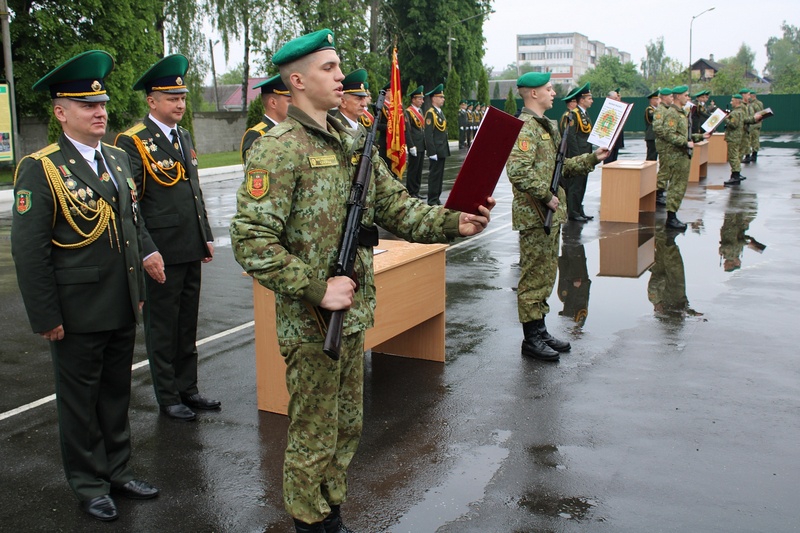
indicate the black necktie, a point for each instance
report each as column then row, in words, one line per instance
column 175, row 142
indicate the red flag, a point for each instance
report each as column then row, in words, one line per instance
column 396, row 126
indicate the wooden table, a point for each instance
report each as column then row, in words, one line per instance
column 627, row 187
column 409, row 319
column 699, row 166
column 717, row 148
column 626, row 253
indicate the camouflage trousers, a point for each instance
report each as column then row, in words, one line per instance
column 755, row 139
column 677, row 169
column 325, row 421
column 538, row 264
column 734, row 156
column 744, row 144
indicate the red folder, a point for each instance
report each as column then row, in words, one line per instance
column 484, row 162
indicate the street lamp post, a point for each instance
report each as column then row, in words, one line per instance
column 690, row 42
column 450, row 38
column 214, row 72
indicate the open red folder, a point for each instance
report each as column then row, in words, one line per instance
column 484, row 162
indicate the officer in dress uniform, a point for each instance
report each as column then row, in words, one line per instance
column 463, row 124
column 354, row 100
column 367, row 119
column 77, row 252
column 699, row 111
column 649, row 134
column 176, row 236
column 571, row 101
column 436, row 143
column 275, row 99
column 415, row 140
column 578, row 144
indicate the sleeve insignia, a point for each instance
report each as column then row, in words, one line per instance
column 524, row 145
column 23, row 201
column 257, row 183
column 546, row 136
column 428, row 121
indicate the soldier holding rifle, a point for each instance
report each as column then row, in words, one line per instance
column 530, row 169
column 286, row 233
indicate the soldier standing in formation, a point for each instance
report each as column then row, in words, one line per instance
column 77, row 252
column 675, row 151
column 463, row 125
column 367, row 119
column 735, row 124
column 436, row 144
column 665, row 99
column 176, row 236
column 530, row 170
column 700, row 112
column 649, row 134
column 275, row 99
column 308, row 156
column 571, row 102
column 755, row 106
column 578, row 144
column 354, row 100
column 415, row 141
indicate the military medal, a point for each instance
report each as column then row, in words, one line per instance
column 105, row 176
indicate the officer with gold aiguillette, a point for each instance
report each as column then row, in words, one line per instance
column 77, row 253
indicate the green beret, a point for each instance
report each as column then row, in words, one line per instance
column 653, row 94
column 419, row 91
column 79, row 78
column 665, row 91
column 272, row 85
column 166, row 76
column 302, row 46
column 437, row 91
column 354, row 82
column 680, row 89
column 533, row 79
column 736, row 96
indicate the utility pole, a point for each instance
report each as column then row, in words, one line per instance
column 213, row 70
column 9, row 73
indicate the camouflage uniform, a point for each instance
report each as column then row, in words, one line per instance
column 666, row 289
column 290, row 215
column 744, row 142
column 660, row 115
column 672, row 128
column 530, row 170
column 735, row 124
column 755, row 130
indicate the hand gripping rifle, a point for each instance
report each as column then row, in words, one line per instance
column 562, row 154
column 349, row 246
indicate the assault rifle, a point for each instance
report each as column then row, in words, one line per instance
column 562, row 154
column 349, row 246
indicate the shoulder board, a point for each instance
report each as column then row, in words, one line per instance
column 281, row 128
column 113, row 148
column 260, row 127
column 47, row 150
column 134, row 129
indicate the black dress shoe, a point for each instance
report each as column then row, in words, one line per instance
column 178, row 411
column 578, row 218
column 136, row 489
column 198, row 401
column 102, row 508
column 587, row 217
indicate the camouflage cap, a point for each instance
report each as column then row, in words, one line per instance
column 273, row 85
column 354, row 83
column 302, row 46
column 80, row 78
column 533, row 79
column 166, row 76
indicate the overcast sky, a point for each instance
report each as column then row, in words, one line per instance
column 629, row 25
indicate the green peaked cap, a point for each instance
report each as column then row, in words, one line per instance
column 272, row 85
column 302, row 46
column 419, row 91
column 79, row 78
column 355, row 83
column 653, row 94
column 437, row 91
column 166, row 76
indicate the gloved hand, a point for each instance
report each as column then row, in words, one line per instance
column 413, row 151
column 434, row 157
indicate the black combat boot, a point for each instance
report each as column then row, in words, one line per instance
column 661, row 197
column 533, row 345
column 333, row 522
column 735, row 179
column 302, row 527
column 556, row 344
column 746, row 159
column 754, row 157
column 673, row 222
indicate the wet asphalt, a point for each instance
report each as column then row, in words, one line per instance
column 676, row 410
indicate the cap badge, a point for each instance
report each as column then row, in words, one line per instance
column 96, row 85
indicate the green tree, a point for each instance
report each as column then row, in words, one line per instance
column 783, row 60
column 483, row 86
column 729, row 79
column 745, row 57
column 452, row 97
column 496, row 92
column 181, row 24
column 255, row 111
column 655, row 63
column 610, row 73
column 232, row 77
column 46, row 33
column 511, row 102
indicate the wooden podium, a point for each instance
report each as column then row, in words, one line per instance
column 699, row 166
column 717, row 148
column 409, row 319
column 627, row 187
column 628, row 253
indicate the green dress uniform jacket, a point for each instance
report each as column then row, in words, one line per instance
column 436, row 134
column 415, row 137
column 256, row 132
column 338, row 115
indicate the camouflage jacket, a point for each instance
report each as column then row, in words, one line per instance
column 735, row 123
column 671, row 126
column 291, row 211
column 755, row 107
column 530, row 170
